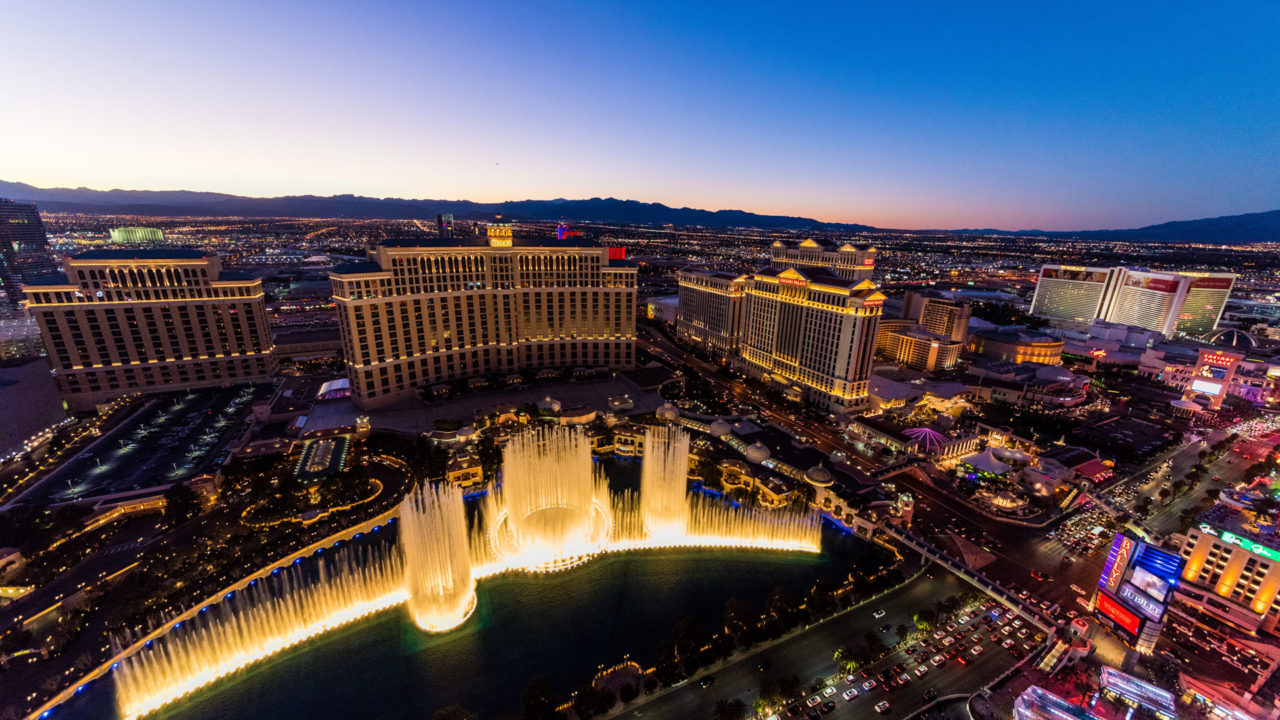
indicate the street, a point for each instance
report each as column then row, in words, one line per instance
column 809, row 656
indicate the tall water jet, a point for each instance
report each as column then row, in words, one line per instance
column 262, row 619
column 664, row 478
column 553, row 508
column 437, row 557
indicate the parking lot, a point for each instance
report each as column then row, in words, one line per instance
column 950, row 663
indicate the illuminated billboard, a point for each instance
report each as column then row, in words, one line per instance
column 1139, row 580
column 1206, row 387
column 1112, row 610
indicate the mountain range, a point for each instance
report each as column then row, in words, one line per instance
column 1232, row 229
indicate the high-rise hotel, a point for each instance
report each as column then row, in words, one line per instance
column 24, row 249
column 1171, row 303
column 812, row 329
column 711, row 309
column 125, row 321
column 421, row 312
column 808, row 321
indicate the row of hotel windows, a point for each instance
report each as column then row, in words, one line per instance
column 108, row 294
column 441, row 367
column 173, row 374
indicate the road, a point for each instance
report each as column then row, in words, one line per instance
column 809, row 656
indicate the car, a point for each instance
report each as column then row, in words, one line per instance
column 962, row 660
column 1023, row 595
column 882, row 707
column 828, row 691
column 964, row 619
column 1006, row 630
column 850, row 694
column 994, row 637
column 878, row 614
column 951, row 627
column 903, row 679
column 1077, row 589
column 939, row 634
column 1022, row 633
column 813, row 701
column 707, row 681
column 1038, row 575
column 899, row 668
column 762, row 665
column 948, row 640
column 930, row 695
column 1028, row 646
column 851, row 679
column 885, row 628
column 827, row 707
column 794, row 710
column 869, row 685
column 1008, row 644
column 912, row 650
column 813, row 715
column 937, row 660
column 976, row 651
column 922, row 671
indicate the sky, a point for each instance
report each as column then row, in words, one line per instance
column 1015, row 115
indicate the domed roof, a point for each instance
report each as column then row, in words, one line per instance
column 667, row 412
column 757, row 453
column 1232, row 338
column 818, row 475
column 720, row 428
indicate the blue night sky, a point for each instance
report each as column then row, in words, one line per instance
column 906, row 114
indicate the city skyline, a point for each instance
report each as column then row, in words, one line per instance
column 947, row 119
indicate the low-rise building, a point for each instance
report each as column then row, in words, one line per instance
column 1017, row 346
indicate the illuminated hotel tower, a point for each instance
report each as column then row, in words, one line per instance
column 849, row 261
column 711, row 310
column 24, row 249
column 427, row 311
column 1171, row 303
column 128, row 321
column 811, row 329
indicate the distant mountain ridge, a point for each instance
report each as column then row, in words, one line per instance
column 188, row 203
column 1231, row 229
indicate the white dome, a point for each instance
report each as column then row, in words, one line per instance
column 720, row 428
column 667, row 412
column 757, row 453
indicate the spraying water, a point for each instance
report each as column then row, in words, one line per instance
column 552, row 511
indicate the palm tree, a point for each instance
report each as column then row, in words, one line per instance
column 737, row 709
column 1266, row 506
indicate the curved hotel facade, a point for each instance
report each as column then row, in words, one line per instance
column 421, row 312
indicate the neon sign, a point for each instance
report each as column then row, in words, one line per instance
column 1219, row 360
column 794, row 282
column 1234, row 539
column 1140, row 600
column 1117, row 561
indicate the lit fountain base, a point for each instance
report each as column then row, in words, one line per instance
column 567, row 538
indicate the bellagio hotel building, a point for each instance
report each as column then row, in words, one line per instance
column 136, row 321
column 427, row 311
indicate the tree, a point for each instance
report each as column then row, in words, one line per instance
column 1164, row 494
column 710, row 472
column 180, row 504
column 454, row 712
column 536, row 703
column 846, row 659
column 1265, row 506
column 902, row 633
column 924, row 620
column 737, row 618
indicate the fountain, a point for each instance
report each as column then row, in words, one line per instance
column 552, row 511
column 437, row 557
